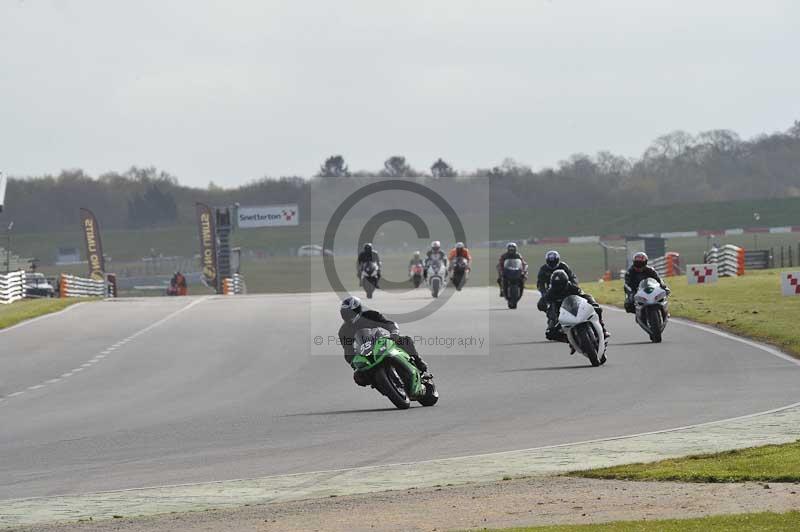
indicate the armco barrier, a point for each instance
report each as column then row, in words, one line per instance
column 72, row 286
column 234, row 286
column 730, row 260
column 12, row 287
column 667, row 266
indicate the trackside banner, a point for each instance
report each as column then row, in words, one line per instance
column 94, row 245
column 267, row 216
column 208, row 243
column 702, row 273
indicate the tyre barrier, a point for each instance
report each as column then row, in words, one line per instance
column 73, row 286
column 667, row 266
column 234, row 286
column 730, row 260
column 12, row 287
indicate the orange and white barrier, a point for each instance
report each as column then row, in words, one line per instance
column 234, row 286
column 729, row 259
column 73, row 286
column 667, row 266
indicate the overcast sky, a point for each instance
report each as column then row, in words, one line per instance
column 232, row 91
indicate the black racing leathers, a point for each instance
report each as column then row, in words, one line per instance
column 552, row 298
column 368, row 256
column 632, row 280
column 546, row 271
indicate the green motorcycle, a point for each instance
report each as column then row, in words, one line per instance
column 391, row 370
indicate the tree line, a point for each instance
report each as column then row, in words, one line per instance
column 677, row 167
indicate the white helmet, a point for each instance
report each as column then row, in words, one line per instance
column 459, row 245
column 436, row 244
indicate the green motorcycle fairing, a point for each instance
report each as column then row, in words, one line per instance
column 372, row 356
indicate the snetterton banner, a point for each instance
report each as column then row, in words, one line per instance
column 208, row 242
column 94, row 245
column 267, row 216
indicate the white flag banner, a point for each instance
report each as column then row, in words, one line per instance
column 790, row 283
column 702, row 273
column 268, row 216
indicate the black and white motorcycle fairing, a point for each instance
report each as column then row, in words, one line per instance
column 581, row 324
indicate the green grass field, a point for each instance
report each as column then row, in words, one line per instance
column 761, row 522
column 32, row 308
column 127, row 245
column 751, row 306
column 770, row 463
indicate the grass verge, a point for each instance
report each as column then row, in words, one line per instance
column 763, row 522
column 750, row 306
column 769, row 463
column 32, row 308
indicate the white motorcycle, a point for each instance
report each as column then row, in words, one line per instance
column 651, row 303
column 581, row 325
column 437, row 277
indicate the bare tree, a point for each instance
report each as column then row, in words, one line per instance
column 441, row 169
column 396, row 166
column 334, row 166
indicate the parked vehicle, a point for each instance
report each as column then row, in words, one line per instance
column 391, row 370
column 37, row 285
column 651, row 303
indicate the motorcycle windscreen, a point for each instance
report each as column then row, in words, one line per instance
column 572, row 305
column 512, row 264
column 648, row 285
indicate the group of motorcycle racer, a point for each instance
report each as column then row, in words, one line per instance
column 555, row 281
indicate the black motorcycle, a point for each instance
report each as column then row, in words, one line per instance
column 513, row 281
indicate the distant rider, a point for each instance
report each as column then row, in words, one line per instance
column 638, row 272
column 435, row 253
column 460, row 250
column 416, row 260
column 511, row 253
column 355, row 318
column 552, row 262
column 560, row 288
column 366, row 256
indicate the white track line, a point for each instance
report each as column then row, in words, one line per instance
column 97, row 358
column 728, row 336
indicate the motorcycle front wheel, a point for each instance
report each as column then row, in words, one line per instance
column 656, row 322
column 389, row 383
column 586, row 337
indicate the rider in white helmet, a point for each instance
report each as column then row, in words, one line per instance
column 435, row 253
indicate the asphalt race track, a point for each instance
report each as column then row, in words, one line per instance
column 155, row 391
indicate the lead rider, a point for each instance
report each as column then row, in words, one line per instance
column 355, row 318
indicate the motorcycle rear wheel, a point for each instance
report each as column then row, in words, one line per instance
column 431, row 397
column 389, row 383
